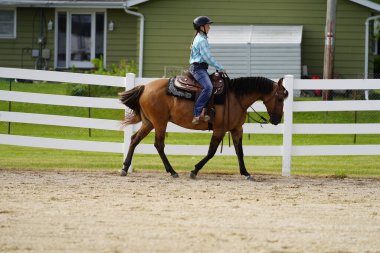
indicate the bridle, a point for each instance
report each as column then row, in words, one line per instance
column 263, row 119
column 274, row 94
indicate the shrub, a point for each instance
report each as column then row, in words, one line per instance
column 121, row 69
column 78, row 90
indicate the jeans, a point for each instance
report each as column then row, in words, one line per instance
column 201, row 75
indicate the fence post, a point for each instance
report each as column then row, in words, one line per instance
column 128, row 130
column 288, row 127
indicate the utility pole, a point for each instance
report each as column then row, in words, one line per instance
column 328, row 61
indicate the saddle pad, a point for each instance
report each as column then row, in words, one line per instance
column 177, row 92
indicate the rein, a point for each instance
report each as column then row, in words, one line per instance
column 261, row 122
column 263, row 119
column 274, row 95
column 226, row 79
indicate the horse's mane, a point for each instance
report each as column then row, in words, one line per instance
column 247, row 85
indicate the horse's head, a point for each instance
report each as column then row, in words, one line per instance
column 274, row 102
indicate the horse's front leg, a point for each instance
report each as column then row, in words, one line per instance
column 135, row 140
column 214, row 143
column 237, row 137
column 160, row 145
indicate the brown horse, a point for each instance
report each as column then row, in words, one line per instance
column 151, row 105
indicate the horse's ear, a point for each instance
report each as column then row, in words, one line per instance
column 280, row 81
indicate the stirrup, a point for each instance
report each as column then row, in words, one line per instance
column 206, row 118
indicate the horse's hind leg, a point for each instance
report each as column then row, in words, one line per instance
column 238, row 144
column 214, row 143
column 160, row 145
column 135, row 140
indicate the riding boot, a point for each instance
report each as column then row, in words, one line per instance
column 195, row 120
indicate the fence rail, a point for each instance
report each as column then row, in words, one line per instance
column 287, row 129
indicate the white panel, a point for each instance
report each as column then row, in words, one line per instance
column 248, row 128
column 38, row 142
column 66, row 77
column 275, row 51
column 234, row 58
column 201, row 150
column 372, row 105
column 255, row 34
column 275, row 61
column 45, row 119
column 276, row 34
column 144, row 80
column 38, row 98
column 230, row 34
column 316, row 106
column 329, row 150
column 255, row 128
column 336, row 84
column 372, row 128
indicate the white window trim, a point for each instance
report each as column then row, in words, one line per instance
column 68, row 35
column 13, row 36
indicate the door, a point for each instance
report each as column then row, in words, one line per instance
column 81, row 41
column 80, row 38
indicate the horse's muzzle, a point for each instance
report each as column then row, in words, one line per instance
column 275, row 120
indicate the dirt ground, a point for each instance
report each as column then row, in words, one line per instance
column 151, row 212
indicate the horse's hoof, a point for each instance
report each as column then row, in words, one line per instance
column 193, row 175
column 123, row 173
column 175, row 175
column 249, row 178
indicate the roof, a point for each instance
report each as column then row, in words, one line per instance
column 109, row 4
column 116, row 3
column 365, row 3
column 254, row 34
column 130, row 3
column 368, row 4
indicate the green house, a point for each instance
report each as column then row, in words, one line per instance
column 65, row 34
column 157, row 34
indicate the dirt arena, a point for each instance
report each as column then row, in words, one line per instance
column 151, row 212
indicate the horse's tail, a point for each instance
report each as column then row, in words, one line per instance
column 130, row 98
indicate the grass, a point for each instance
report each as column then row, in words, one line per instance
column 21, row 158
column 26, row 158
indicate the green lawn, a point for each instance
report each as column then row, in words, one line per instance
column 15, row 158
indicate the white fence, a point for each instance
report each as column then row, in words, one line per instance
column 287, row 150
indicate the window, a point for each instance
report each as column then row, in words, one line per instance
column 80, row 38
column 8, row 24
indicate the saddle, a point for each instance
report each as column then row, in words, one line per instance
column 186, row 86
column 187, row 82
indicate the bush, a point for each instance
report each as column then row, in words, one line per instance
column 79, row 90
column 121, row 69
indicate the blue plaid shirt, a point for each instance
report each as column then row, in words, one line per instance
column 200, row 52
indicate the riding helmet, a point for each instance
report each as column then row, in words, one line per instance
column 200, row 21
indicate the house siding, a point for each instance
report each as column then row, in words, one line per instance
column 17, row 52
column 122, row 42
column 168, row 29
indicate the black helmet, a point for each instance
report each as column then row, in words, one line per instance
column 201, row 20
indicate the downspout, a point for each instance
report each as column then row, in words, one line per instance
column 141, row 16
column 366, row 50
